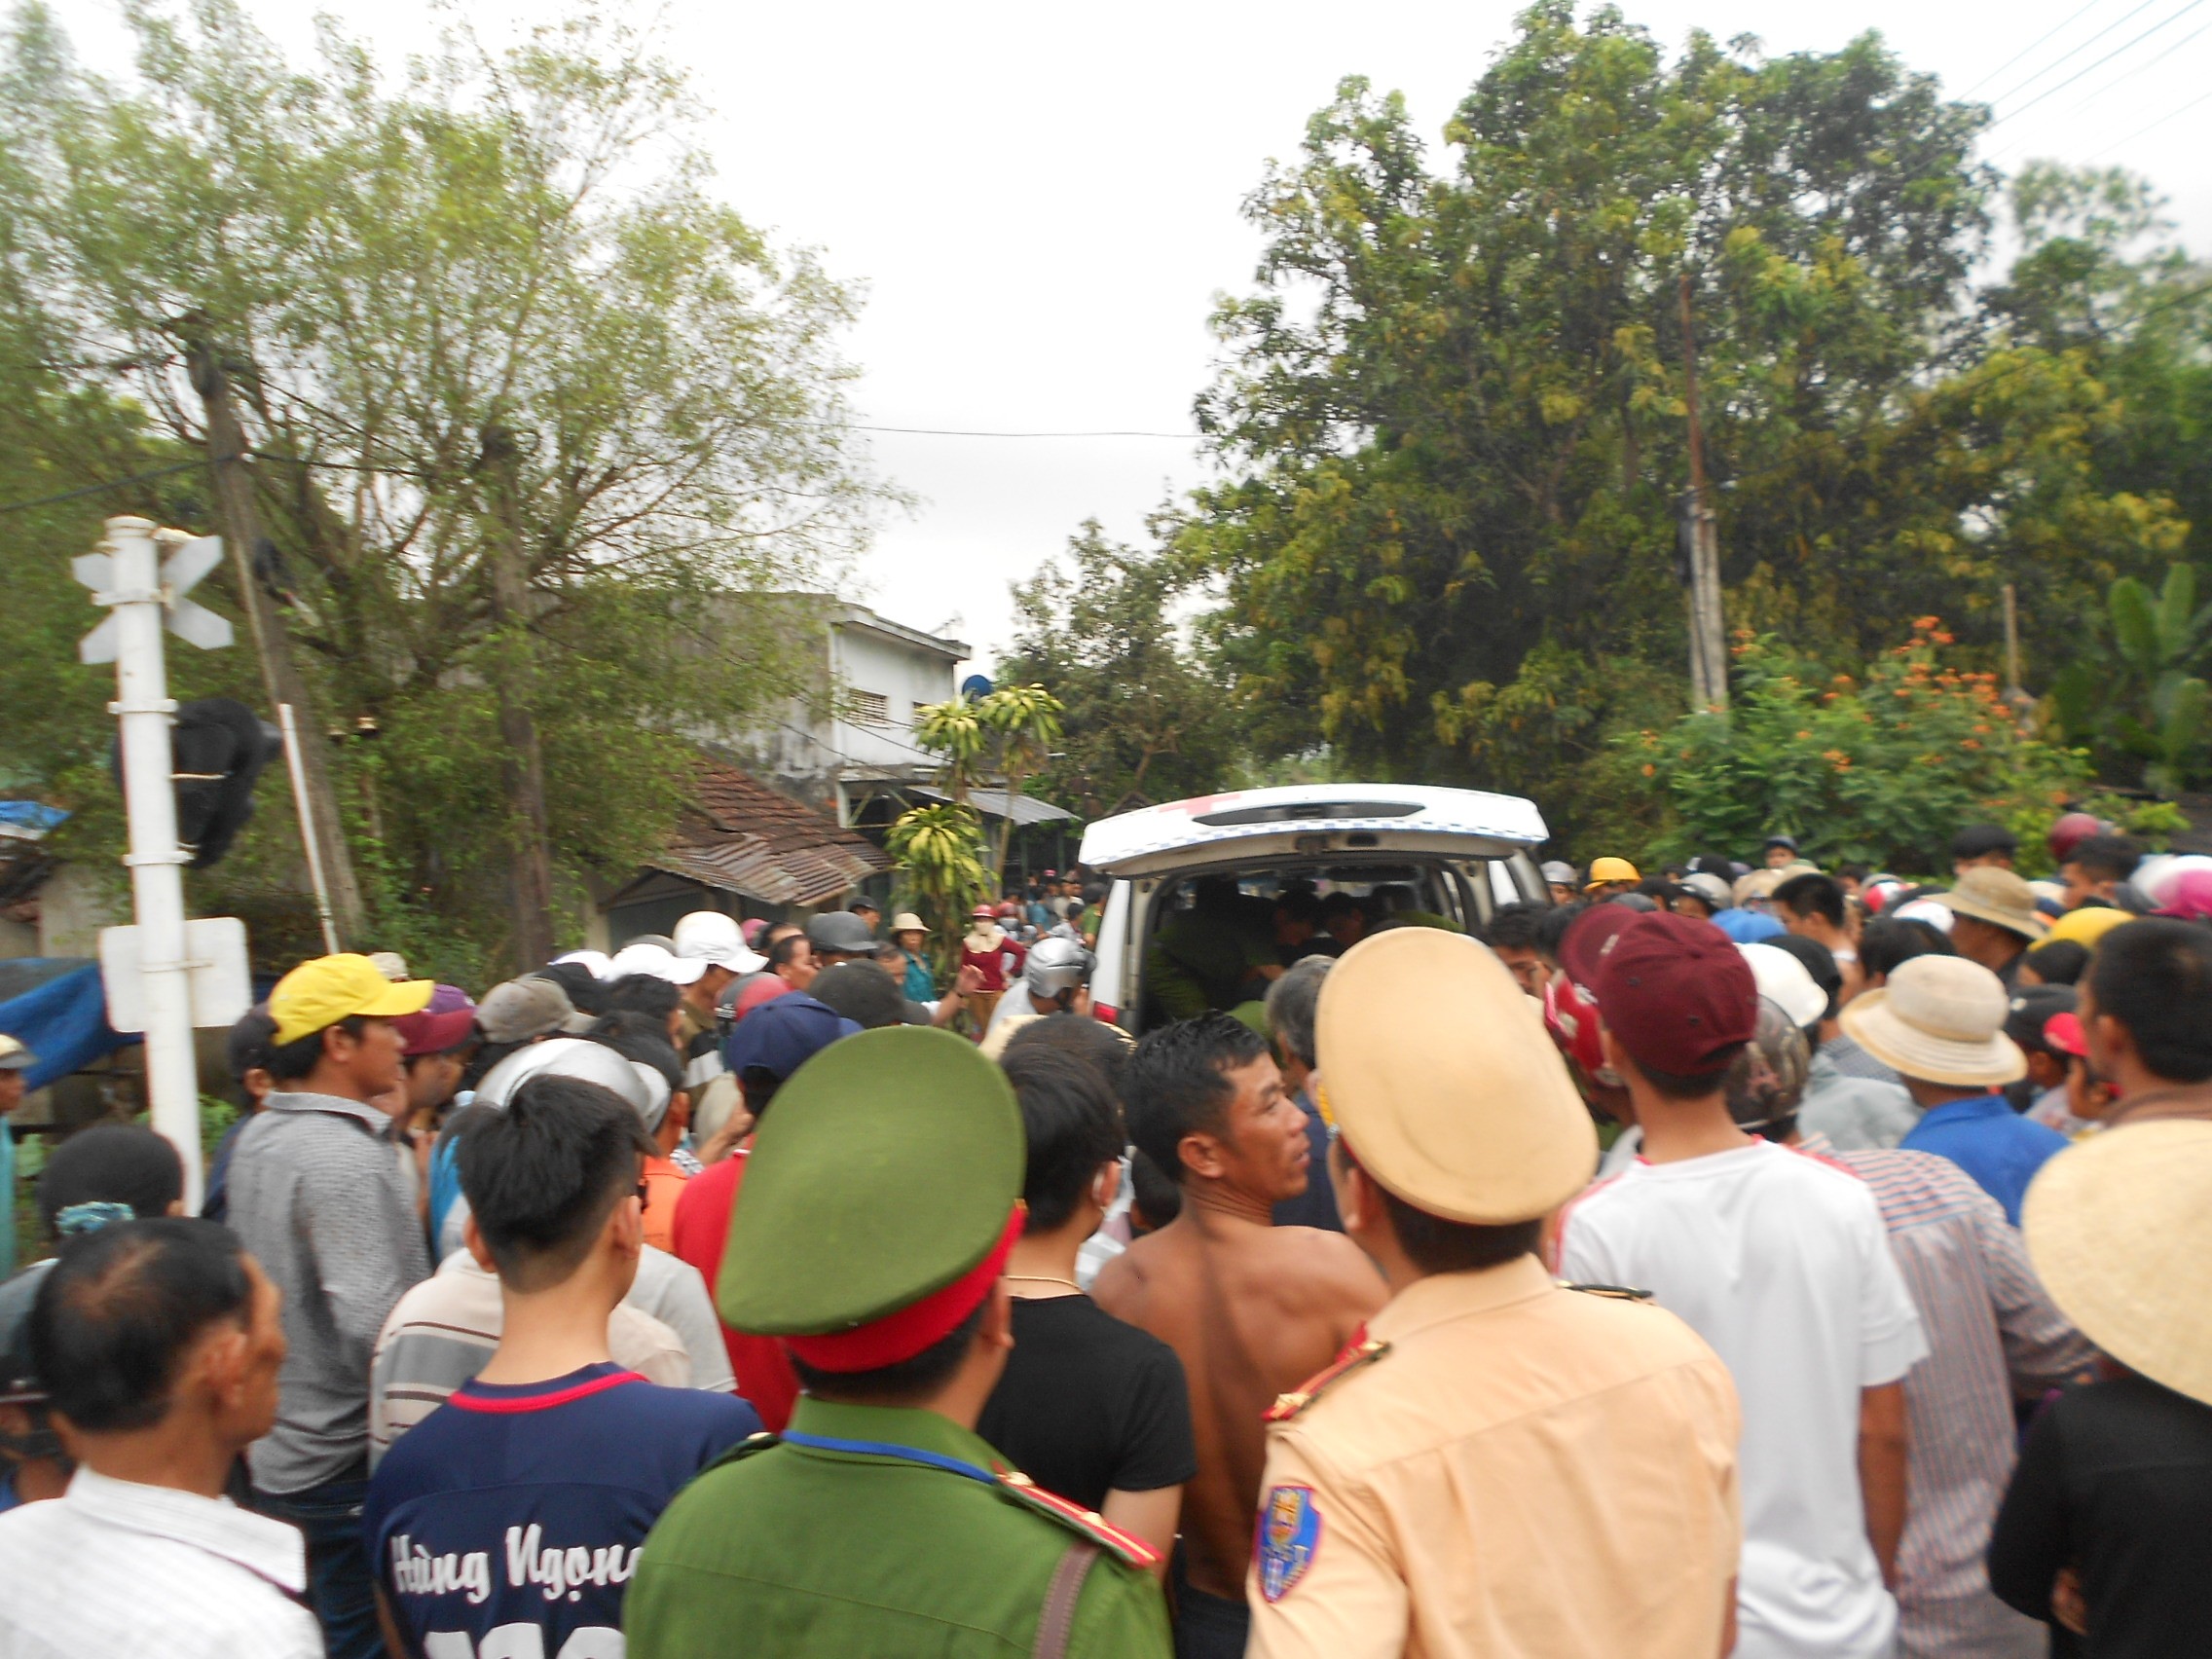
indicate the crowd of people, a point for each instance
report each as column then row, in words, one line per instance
column 1777, row 1261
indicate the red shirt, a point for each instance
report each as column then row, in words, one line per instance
column 993, row 964
column 763, row 1370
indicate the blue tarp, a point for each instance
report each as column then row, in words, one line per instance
column 64, row 1021
column 30, row 815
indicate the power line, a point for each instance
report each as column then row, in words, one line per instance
column 2071, row 52
column 2031, row 46
column 2050, row 91
column 2155, row 60
column 2118, row 143
column 96, row 489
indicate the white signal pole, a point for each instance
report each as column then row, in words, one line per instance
column 144, row 598
column 145, row 713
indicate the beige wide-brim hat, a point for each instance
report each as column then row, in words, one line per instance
column 906, row 921
column 2121, row 1234
column 1940, row 1019
column 1997, row 897
column 1439, row 1077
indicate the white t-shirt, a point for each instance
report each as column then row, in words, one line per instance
column 1781, row 1262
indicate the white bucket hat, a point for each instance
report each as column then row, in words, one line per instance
column 1940, row 1019
column 712, row 937
column 597, row 961
column 2121, row 1238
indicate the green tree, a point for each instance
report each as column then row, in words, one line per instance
column 529, row 403
column 2139, row 696
column 1453, row 422
column 1147, row 719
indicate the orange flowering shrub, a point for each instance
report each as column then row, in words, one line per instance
column 1880, row 768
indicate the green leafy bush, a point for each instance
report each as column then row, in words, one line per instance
column 1879, row 768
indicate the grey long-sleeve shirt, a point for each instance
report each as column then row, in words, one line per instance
column 315, row 1195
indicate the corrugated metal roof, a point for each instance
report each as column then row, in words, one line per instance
column 747, row 838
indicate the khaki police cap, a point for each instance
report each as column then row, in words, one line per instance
column 1444, row 1084
column 886, row 1170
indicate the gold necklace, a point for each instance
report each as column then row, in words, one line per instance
column 1045, row 1278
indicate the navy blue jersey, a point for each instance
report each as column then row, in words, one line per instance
column 526, row 1506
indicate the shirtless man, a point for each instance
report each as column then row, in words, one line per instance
column 1252, row 1309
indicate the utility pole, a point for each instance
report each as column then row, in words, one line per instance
column 280, row 676
column 1701, row 546
column 522, row 759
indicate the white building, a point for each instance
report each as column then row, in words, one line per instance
column 847, row 748
column 846, row 737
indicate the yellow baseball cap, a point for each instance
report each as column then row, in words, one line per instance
column 331, row 988
column 1610, row 870
column 2087, row 925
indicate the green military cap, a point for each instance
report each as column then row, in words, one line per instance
column 879, row 1199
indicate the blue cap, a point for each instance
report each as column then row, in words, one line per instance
column 1748, row 927
column 781, row 1036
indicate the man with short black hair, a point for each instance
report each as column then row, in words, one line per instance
column 1812, row 906
column 791, row 958
column 1781, row 1263
column 2096, row 869
column 1498, row 1465
column 877, row 1523
column 1979, row 846
column 1249, row 1308
column 245, row 1056
column 1088, row 1408
column 1516, row 934
column 1292, row 1002
column 315, row 1195
column 2143, row 1010
column 512, row 1517
column 159, row 1343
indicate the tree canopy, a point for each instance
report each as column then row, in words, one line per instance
column 524, row 398
column 1451, row 417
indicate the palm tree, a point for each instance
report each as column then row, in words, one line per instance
column 1026, row 720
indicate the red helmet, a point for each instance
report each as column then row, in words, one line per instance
column 2071, row 830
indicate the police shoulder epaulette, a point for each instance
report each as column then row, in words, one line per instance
column 751, row 1446
column 1362, row 1350
column 1611, row 1291
column 1019, row 1488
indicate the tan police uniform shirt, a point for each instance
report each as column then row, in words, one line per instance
column 1525, row 1470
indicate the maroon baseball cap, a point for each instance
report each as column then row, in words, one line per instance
column 428, row 1033
column 1588, row 940
column 1676, row 993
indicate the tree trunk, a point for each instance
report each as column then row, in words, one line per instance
column 523, row 765
column 280, row 677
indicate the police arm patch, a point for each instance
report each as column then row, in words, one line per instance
column 1290, row 1536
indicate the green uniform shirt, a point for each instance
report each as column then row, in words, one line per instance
column 802, row 1550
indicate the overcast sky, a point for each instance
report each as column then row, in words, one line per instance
column 1042, row 200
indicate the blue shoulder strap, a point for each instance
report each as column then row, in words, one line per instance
column 889, row 1448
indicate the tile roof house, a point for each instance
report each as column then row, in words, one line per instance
column 746, row 848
